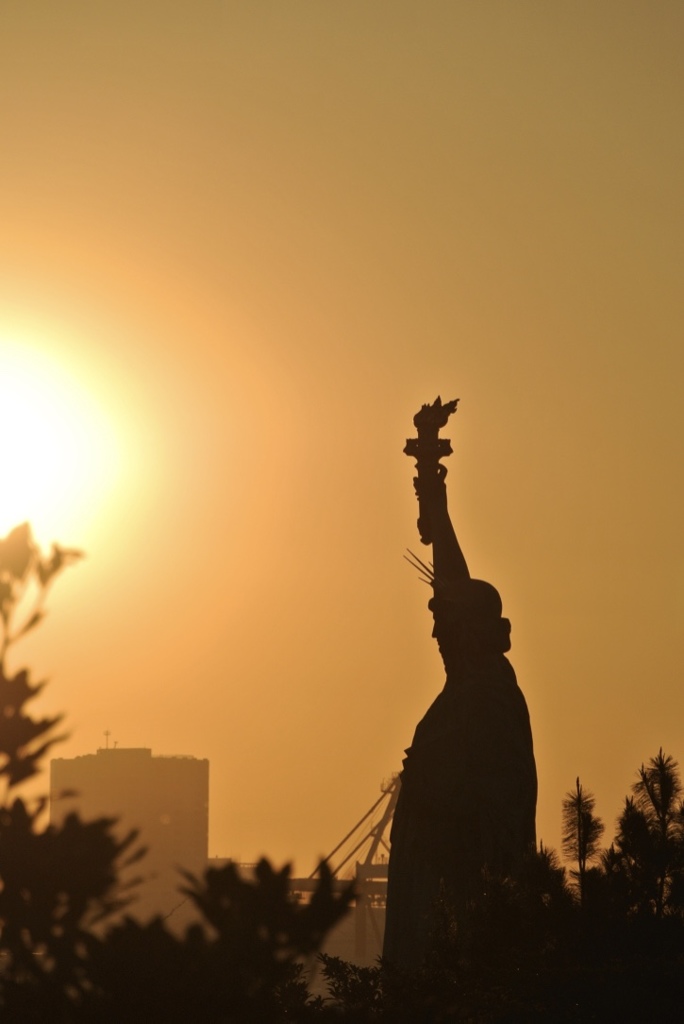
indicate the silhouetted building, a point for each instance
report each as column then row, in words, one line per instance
column 166, row 798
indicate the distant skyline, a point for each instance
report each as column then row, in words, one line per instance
column 245, row 242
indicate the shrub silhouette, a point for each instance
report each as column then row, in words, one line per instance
column 64, row 957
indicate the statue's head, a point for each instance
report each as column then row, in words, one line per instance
column 468, row 621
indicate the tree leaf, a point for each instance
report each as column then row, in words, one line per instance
column 17, row 551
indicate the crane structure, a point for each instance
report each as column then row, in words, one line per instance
column 362, row 856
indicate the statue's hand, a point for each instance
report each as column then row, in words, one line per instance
column 432, row 484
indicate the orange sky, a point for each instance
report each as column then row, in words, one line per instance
column 258, row 236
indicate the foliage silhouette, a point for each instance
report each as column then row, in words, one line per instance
column 246, row 966
column 645, row 864
column 582, row 831
column 56, row 883
column 64, row 957
column 23, row 564
column 25, row 740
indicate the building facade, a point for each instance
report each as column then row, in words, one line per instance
column 165, row 798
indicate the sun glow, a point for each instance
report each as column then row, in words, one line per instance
column 57, row 450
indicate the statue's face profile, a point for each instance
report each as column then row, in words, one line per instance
column 445, row 614
column 447, row 630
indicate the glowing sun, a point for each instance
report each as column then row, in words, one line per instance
column 58, row 450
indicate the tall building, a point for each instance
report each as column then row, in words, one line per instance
column 166, row 798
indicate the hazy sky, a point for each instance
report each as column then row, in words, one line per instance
column 243, row 242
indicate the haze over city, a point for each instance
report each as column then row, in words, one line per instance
column 242, row 243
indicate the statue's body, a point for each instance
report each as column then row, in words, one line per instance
column 469, row 784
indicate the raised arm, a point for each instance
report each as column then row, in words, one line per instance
column 434, row 523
